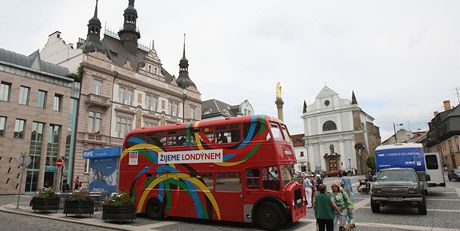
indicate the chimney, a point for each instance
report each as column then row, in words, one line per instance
column 435, row 113
column 447, row 105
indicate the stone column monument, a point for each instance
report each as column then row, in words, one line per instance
column 279, row 101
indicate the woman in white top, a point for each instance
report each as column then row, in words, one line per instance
column 308, row 191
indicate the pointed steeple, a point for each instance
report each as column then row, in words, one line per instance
column 304, row 106
column 184, row 80
column 93, row 42
column 129, row 33
column 94, row 25
column 353, row 98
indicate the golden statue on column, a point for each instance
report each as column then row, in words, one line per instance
column 279, row 101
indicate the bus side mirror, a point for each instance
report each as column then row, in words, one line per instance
column 427, row 177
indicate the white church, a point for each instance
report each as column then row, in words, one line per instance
column 339, row 135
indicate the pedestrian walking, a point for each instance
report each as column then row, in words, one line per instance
column 345, row 182
column 319, row 181
column 324, row 208
column 344, row 205
column 308, row 190
column 77, row 183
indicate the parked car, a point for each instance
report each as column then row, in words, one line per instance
column 454, row 174
column 398, row 186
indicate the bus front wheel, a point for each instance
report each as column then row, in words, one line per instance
column 269, row 216
column 154, row 209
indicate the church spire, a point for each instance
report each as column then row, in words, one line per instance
column 93, row 42
column 94, row 26
column 183, row 80
column 353, row 98
column 129, row 33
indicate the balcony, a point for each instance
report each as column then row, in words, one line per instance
column 98, row 101
column 93, row 138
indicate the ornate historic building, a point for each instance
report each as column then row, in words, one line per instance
column 339, row 135
column 444, row 135
column 37, row 117
column 215, row 109
column 124, row 85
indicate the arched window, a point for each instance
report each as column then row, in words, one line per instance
column 329, row 125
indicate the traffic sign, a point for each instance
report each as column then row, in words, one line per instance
column 59, row 163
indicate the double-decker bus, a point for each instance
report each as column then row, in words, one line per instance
column 234, row 169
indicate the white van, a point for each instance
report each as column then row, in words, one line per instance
column 434, row 169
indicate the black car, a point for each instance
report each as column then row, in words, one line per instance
column 398, row 186
column 454, row 174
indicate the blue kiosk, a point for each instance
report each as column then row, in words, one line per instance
column 103, row 169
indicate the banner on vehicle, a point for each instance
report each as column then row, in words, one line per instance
column 193, row 156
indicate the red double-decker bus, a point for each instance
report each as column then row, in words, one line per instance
column 234, row 169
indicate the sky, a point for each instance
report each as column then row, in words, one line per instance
column 400, row 57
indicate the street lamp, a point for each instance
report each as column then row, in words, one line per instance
column 394, row 129
column 184, row 97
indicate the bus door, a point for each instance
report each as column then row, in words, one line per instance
column 229, row 195
column 259, row 183
column 434, row 169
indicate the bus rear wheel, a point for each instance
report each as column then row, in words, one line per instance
column 154, row 209
column 269, row 216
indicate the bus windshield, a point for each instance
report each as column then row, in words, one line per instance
column 287, row 174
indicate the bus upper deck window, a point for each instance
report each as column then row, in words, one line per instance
column 286, row 133
column 276, row 132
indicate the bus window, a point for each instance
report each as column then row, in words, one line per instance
column 286, row 133
column 157, row 138
column 271, row 179
column 209, row 133
column 287, row 173
column 207, row 179
column 431, row 162
column 228, row 182
column 276, row 131
column 228, row 133
column 176, row 138
column 252, row 178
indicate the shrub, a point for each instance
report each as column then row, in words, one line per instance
column 119, row 199
column 79, row 196
column 47, row 193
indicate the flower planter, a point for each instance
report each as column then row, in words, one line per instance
column 118, row 212
column 79, row 207
column 45, row 204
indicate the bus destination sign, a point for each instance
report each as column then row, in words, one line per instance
column 197, row 156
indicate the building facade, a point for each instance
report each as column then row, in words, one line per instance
column 216, row 109
column 301, row 154
column 37, row 117
column 339, row 135
column 124, row 85
column 444, row 135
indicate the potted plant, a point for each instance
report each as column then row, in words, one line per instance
column 119, row 207
column 45, row 200
column 79, row 203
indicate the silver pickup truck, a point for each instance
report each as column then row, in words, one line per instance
column 398, row 186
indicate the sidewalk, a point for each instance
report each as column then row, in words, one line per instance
column 95, row 220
